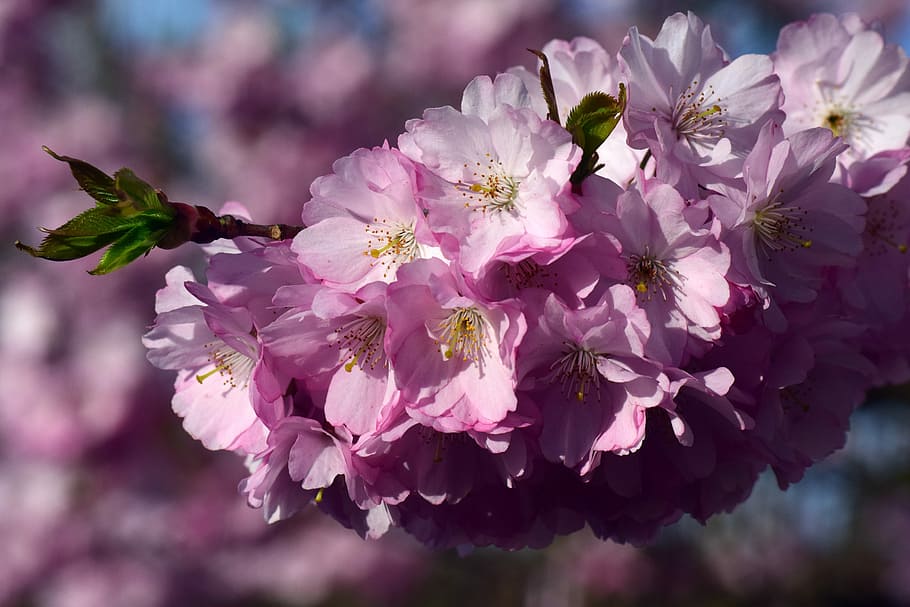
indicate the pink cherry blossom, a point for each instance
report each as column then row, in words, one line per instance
column 500, row 182
column 696, row 111
column 675, row 264
column 452, row 354
column 336, row 339
column 585, row 371
column 877, row 286
column 364, row 220
column 407, row 457
column 299, row 459
column 214, row 353
column 225, row 387
column 789, row 223
column 840, row 74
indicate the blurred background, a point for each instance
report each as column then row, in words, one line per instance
column 105, row 500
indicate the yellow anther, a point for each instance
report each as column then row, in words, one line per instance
column 462, row 332
column 361, row 342
column 714, row 109
column 401, row 244
column 201, row 378
column 495, row 190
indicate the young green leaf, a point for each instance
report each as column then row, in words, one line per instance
column 56, row 248
column 95, row 182
column 590, row 123
column 136, row 192
column 130, row 246
column 80, row 236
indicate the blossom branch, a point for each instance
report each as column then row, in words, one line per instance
column 209, row 227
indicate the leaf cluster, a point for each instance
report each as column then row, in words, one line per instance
column 129, row 217
column 590, row 123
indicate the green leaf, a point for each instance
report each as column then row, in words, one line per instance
column 130, row 246
column 97, row 228
column 55, row 248
column 155, row 219
column 133, row 190
column 80, row 236
column 590, row 123
column 595, row 116
column 97, row 220
column 546, row 85
column 593, row 101
column 95, row 182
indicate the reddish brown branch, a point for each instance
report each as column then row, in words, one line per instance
column 211, row 227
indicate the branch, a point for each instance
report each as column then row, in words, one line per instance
column 210, row 227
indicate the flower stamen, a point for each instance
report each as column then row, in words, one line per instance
column 577, row 371
column 699, row 117
column 780, row 227
column 441, row 441
column 490, row 187
column 463, row 333
column 884, row 229
column 363, row 340
column 840, row 116
column 649, row 275
column 397, row 244
column 526, row 274
column 235, row 367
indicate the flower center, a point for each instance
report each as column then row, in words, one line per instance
column 698, row 115
column 648, row 275
column 838, row 114
column 441, row 440
column 842, row 119
column 884, row 229
column 489, row 188
column 463, row 333
column 392, row 245
column 845, row 122
column 526, row 274
column 838, row 121
column 362, row 339
column 233, row 366
column 796, row 398
column 577, row 371
column 778, row 227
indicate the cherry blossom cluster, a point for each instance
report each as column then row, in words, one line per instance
column 468, row 343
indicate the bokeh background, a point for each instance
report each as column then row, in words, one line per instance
column 104, row 501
